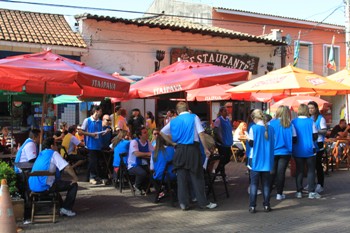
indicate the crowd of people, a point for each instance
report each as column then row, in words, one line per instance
column 181, row 149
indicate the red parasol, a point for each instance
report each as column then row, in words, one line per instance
column 293, row 102
column 184, row 75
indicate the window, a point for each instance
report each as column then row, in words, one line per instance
column 305, row 60
column 326, row 49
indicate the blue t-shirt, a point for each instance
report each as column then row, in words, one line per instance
column 162, row 159
column 122, row 147
column 263, row 149
column 283, row 137
column 182, row 129
column 304, row 147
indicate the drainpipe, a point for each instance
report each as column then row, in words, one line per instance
column 283, row 53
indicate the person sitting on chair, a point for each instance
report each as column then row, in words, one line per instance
column 50, row 160
column 120, row 144
column 7, row 141
column 70, row 144
column 140, row 150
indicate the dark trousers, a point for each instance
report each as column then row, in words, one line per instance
column 279, row 172
column 141, row 176
column 198, row 185
column 72, row 189
column 319, row 168
column 94, row 169
column 300, row 166
column 254, row 184
column 225, row 155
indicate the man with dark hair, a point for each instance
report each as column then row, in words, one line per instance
column 184, row 133
column 340, row 130
column 139, row 150
column 136, row 121
column 91, row 128
column 50, row 160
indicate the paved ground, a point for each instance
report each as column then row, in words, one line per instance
column 104, row 209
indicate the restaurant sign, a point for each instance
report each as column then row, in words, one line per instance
column 242, row 62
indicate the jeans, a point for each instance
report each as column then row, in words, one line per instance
column 141, row 174
column 254, row 183
column 279, row 172
column 319, row 168
column 72, row 189
column 300, row 166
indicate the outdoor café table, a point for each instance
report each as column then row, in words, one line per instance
column 7, row 158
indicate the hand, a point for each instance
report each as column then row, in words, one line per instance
column 207, row 153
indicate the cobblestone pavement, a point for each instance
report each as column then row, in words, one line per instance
column 104, row 209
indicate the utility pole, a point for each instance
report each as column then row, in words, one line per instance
column 347, row 42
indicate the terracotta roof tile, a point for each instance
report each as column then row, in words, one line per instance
column 179, row 24
column 39, row 28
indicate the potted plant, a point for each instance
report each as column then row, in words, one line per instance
column 7, row 172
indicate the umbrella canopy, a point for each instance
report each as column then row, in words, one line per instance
column 342, row 77
column 291, row 80
column 293, row 102
column 184, row 75
column 217, row 93
column 49, row 73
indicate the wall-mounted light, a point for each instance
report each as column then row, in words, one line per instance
column 270, row 66
column 160, row 54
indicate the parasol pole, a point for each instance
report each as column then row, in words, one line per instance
column 42, row 119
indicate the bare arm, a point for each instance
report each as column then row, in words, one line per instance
column 206, row 151
column 142, row 154
column 168, row 139
column 82, row 132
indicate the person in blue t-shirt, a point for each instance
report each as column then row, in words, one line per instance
column 223, row 138
column 162, row 155
column 120, row 144
column 262, row 141
column 321, row 127
column 91, row 129
column 304, row 151
column 284, row 135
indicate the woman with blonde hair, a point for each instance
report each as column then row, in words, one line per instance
column 261, row 139
column 284, row 135
column 304, row 151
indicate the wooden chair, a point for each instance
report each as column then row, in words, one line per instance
column 124, row 174
column 43, row 199
column 344, row 155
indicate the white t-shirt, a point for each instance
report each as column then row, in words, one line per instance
column 56, row 162
column 135, row 147
column 198, row 128
column 28, row 152
column 74, row 141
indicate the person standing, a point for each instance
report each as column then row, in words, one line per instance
column 321, row 127
column 50, row 160
column 223, row 138
column 91, row 128
column 136, row 121
column 303, row 151
column 262, row 140
column 184, row 133
column 284, row 135
column 150, row 124
column 107, row 136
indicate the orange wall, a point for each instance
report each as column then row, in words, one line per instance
column 319, row 36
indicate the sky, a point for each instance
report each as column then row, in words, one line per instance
column 329, row 11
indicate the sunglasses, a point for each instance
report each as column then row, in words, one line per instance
column 155, row 134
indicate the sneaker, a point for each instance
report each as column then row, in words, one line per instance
column 66, row 212
column 184, row 207
column 319, row 188
column 314, row 195
column 306, row 187
column 259, row 191
column 138, row 191
column 94, row 182
column 298, row 195
column 211, row 205
column 267, row 208
column 252, row 210
column 280, row 197
column 27, row 221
